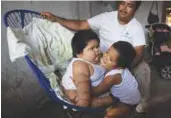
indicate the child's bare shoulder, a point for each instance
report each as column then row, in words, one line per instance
column 115, row 78
column 80, row 66
column 80, row 63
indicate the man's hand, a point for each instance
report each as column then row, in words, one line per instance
column 139, row 56
column 49, row 16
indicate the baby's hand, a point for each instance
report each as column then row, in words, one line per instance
column 49, row 16
column 71, row 94
column 95, row 102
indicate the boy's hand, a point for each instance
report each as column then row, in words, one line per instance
column 49, row 16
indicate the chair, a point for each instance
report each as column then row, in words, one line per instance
column 18, row 19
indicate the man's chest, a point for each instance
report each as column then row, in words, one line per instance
column 113, row 33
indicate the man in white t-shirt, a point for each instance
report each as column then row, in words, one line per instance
column 116, row 26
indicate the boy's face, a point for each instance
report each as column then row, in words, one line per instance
column 91, row 52
column 109, row 59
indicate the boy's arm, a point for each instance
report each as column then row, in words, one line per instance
column 81, row 75
column 106, row 84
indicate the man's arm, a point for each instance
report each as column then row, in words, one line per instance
column 81, row 78
column 106, row 84
column 139, row 56
column 70, row 24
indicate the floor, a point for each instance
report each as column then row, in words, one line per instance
column 160, row 103
column 53, row 110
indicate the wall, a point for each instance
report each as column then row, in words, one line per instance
column 143, row 11
column 97, row 7
column 20, row 90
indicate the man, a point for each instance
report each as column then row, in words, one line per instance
column 115, row 26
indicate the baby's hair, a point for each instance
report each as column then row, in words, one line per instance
column 126, row 53
column 81, row 39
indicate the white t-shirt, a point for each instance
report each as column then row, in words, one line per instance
column 95, row 78
column 127, row 91
column 110, row 31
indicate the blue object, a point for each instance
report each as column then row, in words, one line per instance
column 18, row 19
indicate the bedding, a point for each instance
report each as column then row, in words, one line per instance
column 48, row 44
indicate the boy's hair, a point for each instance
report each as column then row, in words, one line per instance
column 81, row 39
column 126, row 53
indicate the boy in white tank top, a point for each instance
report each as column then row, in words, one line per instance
column 119, row 80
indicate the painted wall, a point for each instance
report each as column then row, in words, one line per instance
column 143, row 11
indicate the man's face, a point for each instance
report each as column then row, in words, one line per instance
column 126, row 10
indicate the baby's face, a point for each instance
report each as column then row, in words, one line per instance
column 91, row 52
column 109, row 59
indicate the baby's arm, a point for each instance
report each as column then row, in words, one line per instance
column 81, row 75
column 106, row 84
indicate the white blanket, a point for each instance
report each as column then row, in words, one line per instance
column 48, row 44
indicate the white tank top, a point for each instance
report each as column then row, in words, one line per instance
column 127, row 91
column 96, row 78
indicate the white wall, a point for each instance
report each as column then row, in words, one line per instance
column 97, row 7
column 143, row 11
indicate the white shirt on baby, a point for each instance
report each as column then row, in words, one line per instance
column 95, row 78
column 110, row 31
column 127, row 91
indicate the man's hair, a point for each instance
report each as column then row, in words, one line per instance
column 138, row 3
column 81, row 39
column 126, row 53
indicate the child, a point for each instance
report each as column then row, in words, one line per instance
column 119, row 79
column 82, row 72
